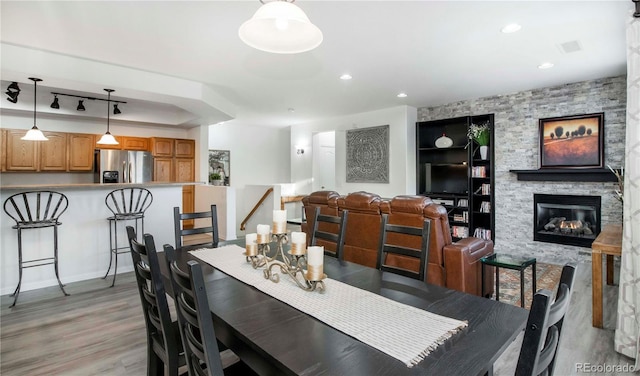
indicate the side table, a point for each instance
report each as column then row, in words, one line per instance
column 509, row 262
column 608, row 242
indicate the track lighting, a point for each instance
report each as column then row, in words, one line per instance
column 55, row 104
column 14, row 87
column 13, row 90
column 34, row 134
column 116, row 110
column 80, row 106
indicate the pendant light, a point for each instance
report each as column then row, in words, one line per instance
column 280, row 27
column 107, row 138
column 34, row 134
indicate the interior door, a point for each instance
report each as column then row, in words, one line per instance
column 324, row 161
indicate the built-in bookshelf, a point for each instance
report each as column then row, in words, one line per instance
column 455, row 176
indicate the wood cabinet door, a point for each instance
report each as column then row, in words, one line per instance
column 135, row 143
column 81, row 147
column 188, row 204
column 185, row 148
column 53, row 153
column 113, row 147
column 3, row 150
column 162, row 169
column 21, row 155
column 185, row 169
column 162, row 147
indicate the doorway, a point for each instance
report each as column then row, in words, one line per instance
column 324, row 161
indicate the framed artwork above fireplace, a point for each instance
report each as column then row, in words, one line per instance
column 572, row 141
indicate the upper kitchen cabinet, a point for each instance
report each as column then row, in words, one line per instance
column 80, row 148
column 20, row 155
column 163, row 169
column 162, row 147
column 3, row 150
column 135, row 143
column 104, row 146
column 53, row 153
column 184, row 169
column 185, row 148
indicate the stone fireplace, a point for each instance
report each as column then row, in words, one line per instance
column 566, row 219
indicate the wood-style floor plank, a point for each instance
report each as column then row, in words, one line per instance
column 100, row 331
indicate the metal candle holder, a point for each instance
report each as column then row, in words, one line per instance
column 289, row 264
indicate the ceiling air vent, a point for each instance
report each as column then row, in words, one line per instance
column 569, row 47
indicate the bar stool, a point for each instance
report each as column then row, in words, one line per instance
column 126, row 204
column 34, row 210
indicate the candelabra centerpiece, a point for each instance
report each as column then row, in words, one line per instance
column 304, row 265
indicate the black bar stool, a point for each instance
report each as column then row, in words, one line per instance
column 126, row 204
column 33, row 210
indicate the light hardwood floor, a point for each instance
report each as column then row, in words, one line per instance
column 100, row 331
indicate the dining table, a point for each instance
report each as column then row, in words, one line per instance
column 274, row 338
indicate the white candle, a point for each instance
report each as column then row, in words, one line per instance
column 315, row 255
column 279, row 221
column 250, row 245
column 263, row 229
column 298, row 243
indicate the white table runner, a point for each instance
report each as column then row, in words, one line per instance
column 404, row 332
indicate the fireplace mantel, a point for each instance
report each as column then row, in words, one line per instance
column 566, row 174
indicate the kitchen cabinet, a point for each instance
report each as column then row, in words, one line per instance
column 163, row 169
column 188, row 204
column 80, row 148
column 21, row 155
column 3, row 150
column 184, row 169
column 185, row 148
column 103, row 146
column 162, row 147
column 135, row 143
column 53, row 153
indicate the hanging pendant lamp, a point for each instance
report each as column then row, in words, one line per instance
column 280, row 27
column 107, row 138
column 34, row 134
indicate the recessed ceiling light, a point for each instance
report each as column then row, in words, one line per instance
column 511, row 28
column 545, row 65
column 346, row 76
column 402, row 95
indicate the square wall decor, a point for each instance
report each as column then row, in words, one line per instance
column 368, row 155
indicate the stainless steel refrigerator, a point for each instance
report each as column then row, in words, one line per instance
column 123, row 166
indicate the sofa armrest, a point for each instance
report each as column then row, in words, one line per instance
column 463, row 266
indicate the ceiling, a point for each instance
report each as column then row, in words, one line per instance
column 435, row 52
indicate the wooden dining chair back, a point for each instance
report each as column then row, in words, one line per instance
column 422, row 254
column 209, row 231
column 328, row 231
column 194, row 316
column 544, row 326
column 164, row 347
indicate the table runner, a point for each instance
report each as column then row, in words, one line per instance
column 410, row 337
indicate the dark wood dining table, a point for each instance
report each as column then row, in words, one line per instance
column 274, row 338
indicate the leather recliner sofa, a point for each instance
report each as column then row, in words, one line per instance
column 453, row 265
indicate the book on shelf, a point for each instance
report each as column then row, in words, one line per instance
column 463, row 203
column 485, row 207
column 442, row 201
column 461, row 217
column 485, row 189
column 479, row 172
column 482, row 233
column 460, row 231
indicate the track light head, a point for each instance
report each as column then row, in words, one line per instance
column 12, row 96
column 55, row 104
column 80, row 106
column 116, row 110
column 14, row 87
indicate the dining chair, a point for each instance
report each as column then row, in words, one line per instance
column 544, row 326
column 164, row 345
column 401, row 247
column 202, row 349
column 328, row 231
column 126, row 204
column 36, row 210
column 211, row 230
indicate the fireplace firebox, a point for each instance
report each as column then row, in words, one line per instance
column 566, row 219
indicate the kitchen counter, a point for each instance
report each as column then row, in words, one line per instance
column 91, row 186
column 83, row 237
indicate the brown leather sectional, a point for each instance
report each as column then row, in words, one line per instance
column 453, row 265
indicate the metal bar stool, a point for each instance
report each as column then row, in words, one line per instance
column 126, row 204
column 34, row 210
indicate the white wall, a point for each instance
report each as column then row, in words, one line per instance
column 402, row 154
column 259, row 156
